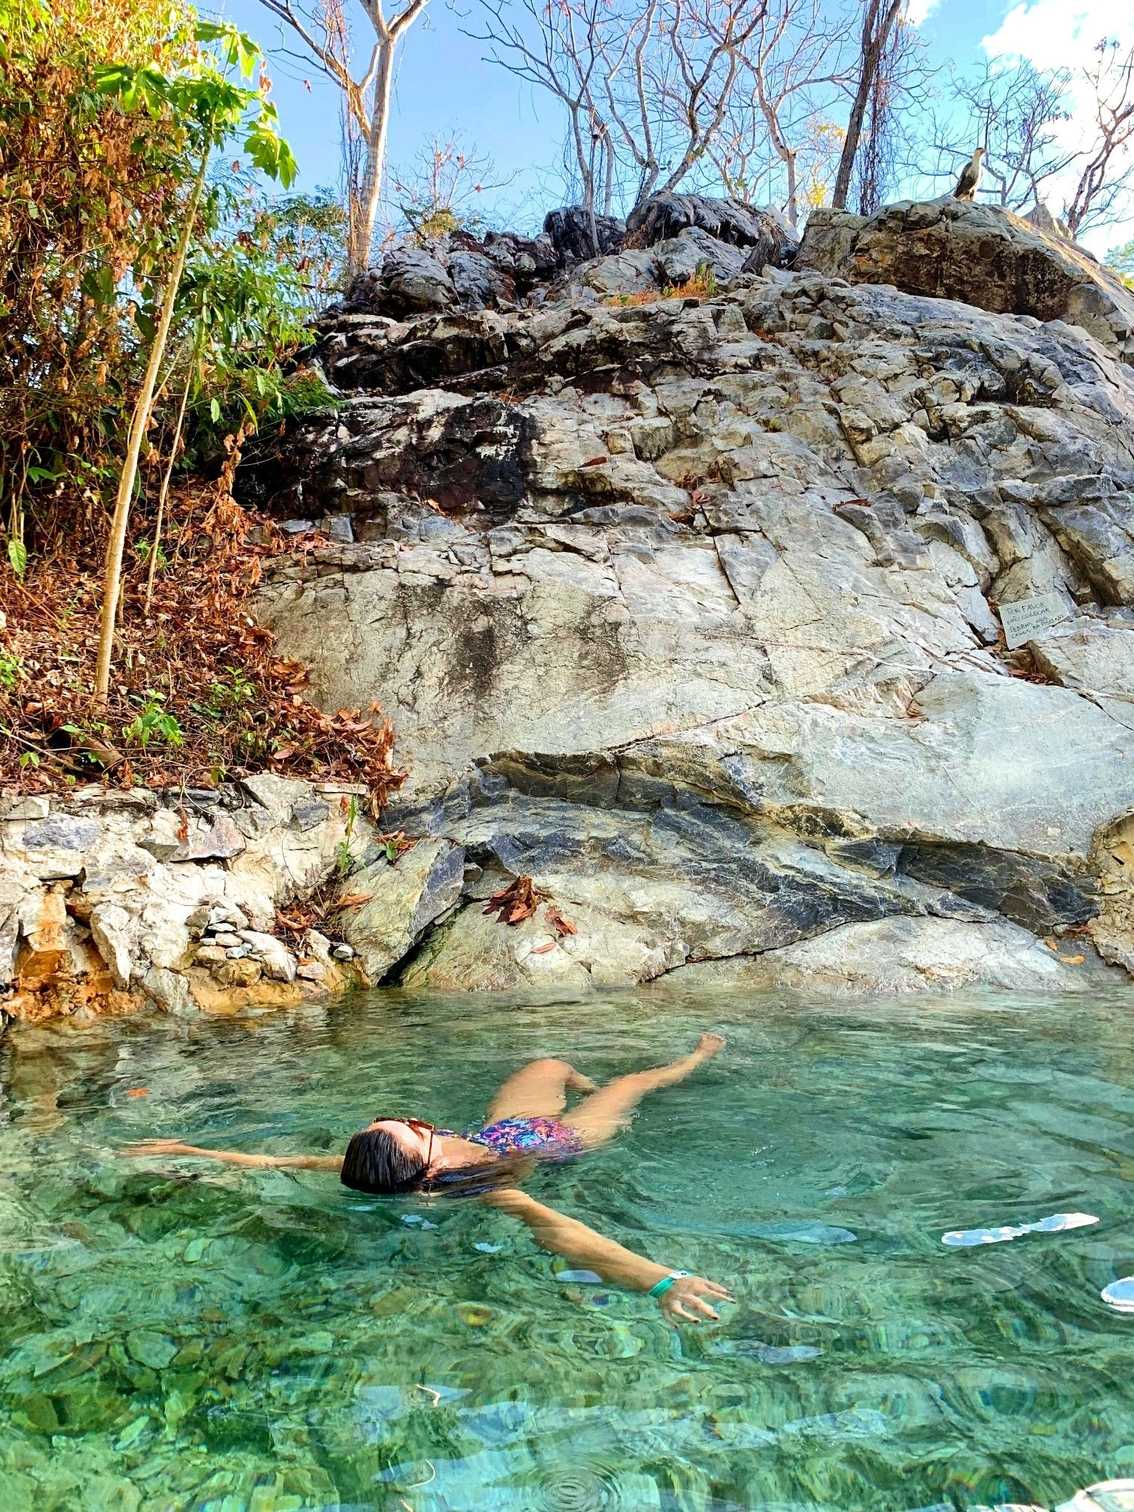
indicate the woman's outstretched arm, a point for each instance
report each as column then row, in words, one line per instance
column 613, row 1262
column 234, row 1157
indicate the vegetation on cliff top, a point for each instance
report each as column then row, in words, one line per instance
column 151, row 306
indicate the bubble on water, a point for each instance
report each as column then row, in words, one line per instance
column 1119, row 1295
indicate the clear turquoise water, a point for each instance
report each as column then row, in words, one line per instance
column 174, row 1335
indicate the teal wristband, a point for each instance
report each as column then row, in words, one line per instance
column 660, row 1288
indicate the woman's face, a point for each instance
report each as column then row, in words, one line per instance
column 414, row 1138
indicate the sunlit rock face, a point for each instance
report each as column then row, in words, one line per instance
column 979, row 253
column 687, row 608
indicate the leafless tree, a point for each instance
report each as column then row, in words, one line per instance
column 902, row 83
column 1108, row 172
column 780, row 137
column 1014, row 114
column 646, row 85
column 878, row 20
column 440, row 188
column 323, row 29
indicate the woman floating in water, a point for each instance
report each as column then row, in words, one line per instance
column 395, row 1156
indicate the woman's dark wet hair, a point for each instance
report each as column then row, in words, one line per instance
column 375, row 1162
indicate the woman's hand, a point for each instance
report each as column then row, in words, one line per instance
column 690, row 1292
column 710, row 1044
column 157, row 1147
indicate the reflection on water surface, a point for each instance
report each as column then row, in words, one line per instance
column 187, row 1336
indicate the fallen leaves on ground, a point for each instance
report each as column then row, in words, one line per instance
column 560, row 925
column 516, row 902
column 194, row 653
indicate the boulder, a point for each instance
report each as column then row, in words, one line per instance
column 762, row 230
column 690, row 253
column 402, row 899
column 411, row 280
column 573, row 236
column 155, row 898
column 896, row 956
column 978, row 254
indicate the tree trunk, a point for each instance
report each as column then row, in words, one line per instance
column 874, row 37
column 112, row 580
column 362, row 230
column 155, row 544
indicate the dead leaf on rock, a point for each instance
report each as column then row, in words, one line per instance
column 1075, row 960
column 516, row 902
column 543, row 949
column 1051, row 942
column 593, row 462
column 354, row 900
column 560, row 925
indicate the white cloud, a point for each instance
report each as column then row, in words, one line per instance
column 919, row 11
column 1055, row 34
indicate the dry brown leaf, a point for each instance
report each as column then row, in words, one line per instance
column 561, row 925
column 543, row 949
column 1051, row 942
column 516, row 902
column 354, row 900
column 1075, row 960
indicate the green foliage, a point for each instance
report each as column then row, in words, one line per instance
column 109, row 107
column 1120, row 260
column 344, row 861
column 11, row 670
column 305, row 233
column 153, row 722
column 144, row 550
column 236, row 692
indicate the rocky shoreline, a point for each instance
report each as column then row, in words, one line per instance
column 686, row 607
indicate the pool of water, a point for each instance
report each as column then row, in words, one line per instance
column 174, row 1335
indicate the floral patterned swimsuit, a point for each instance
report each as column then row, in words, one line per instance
column 545, row 1138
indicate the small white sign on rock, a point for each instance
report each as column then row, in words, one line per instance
column 1025, row 619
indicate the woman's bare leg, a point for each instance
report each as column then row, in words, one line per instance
column 538, row 1089
column 600, row 1116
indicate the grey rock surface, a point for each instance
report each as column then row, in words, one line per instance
column 698, row 628
column 403, row 899
column 977, row 253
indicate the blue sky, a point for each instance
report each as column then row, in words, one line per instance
column 444, row 87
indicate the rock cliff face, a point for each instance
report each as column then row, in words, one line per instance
column 686, row 608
